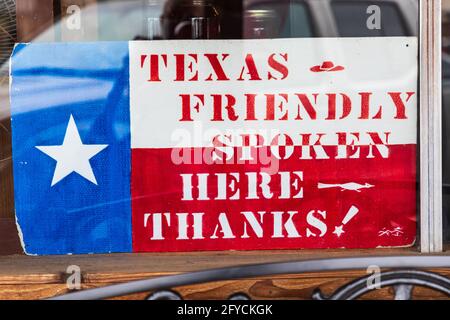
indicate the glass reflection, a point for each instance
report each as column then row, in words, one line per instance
column 121, row 20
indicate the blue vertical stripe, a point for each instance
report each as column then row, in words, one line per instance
column 51, row 82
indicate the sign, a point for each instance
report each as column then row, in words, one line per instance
column 215, row 145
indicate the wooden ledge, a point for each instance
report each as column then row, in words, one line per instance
column 17, row 267
column 25, row 277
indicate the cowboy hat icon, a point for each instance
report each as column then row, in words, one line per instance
column 327, row 66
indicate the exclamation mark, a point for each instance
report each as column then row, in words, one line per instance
column 352, row 212
column 350, row 215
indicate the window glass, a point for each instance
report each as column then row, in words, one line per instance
column 7, row 40
column 8, row 29
column 446, row 117
column 133, row 125
column 278, row 19
column 351, row 19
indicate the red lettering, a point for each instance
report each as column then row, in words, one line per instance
column 216, row 65
column 252, row 71
column 278, row 66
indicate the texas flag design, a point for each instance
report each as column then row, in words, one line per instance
column 163, row 146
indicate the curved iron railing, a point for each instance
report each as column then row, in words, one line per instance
column 403, row 278
column 403, row 281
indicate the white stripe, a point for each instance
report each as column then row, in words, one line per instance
column 378, row 65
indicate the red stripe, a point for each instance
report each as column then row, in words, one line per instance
column 157, row 188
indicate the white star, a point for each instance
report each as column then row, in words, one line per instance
column 72, row 155
column 339, row 231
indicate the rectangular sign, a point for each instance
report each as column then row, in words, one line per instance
column 215, row 145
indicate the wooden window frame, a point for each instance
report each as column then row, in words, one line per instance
column 430, row 37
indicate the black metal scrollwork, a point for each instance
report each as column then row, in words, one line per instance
column 165, row 295
column 172, row 295
column 403, row 278
column 402, row 281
